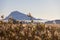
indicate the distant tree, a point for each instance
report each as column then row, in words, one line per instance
column 2, row 17
column 12, row 20
column 29, row 15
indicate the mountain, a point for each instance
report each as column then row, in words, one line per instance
column 49, row 22
column 53, row 21
column 20, row 16
column 57, row 21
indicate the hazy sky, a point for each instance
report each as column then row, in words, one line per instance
column 46, row 9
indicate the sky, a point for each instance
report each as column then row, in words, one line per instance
column 45, row 9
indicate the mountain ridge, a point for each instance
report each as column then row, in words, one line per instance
column 20, row 16
column 53, row 21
